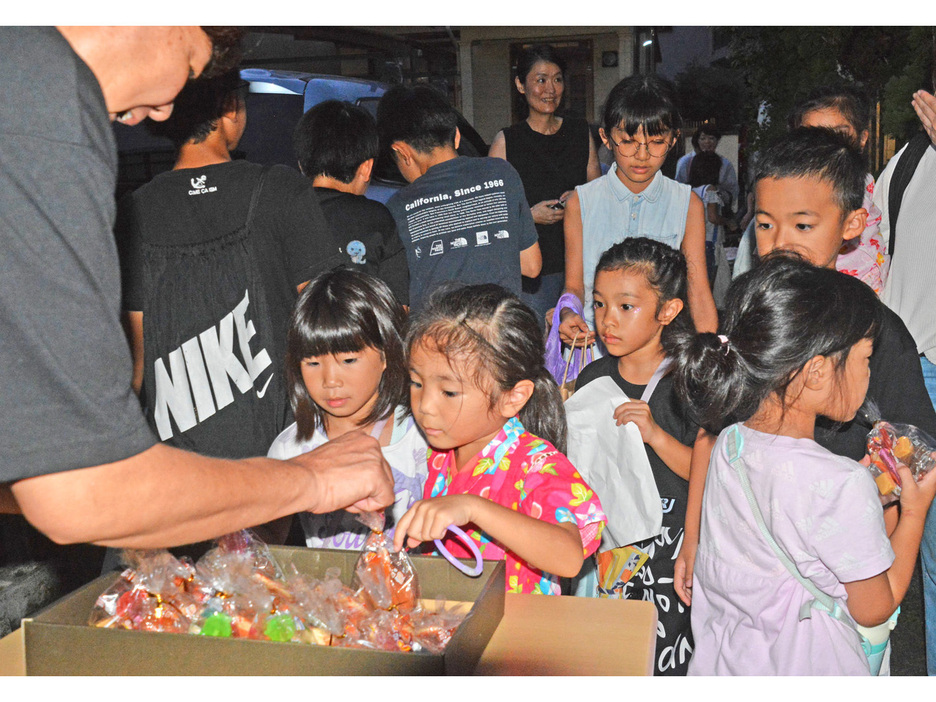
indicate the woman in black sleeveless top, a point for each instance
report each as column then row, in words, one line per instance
column 552, row 154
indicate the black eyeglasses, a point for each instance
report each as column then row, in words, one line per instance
column 655, row 148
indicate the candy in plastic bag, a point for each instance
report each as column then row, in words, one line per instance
column 325, row 604
column 151, row 595
column 893, row 444
column 387, row 577
column 433, row 629
column 382, row 630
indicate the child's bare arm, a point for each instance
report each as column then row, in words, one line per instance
column 133, row 326
column 701, row 302
column 570, row 323
column 531, row 261
column 698, row 469
column 671, row 451
column 555, row 548
column 891, row 517
column 873, row 601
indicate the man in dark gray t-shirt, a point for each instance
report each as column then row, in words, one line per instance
column 76, row 456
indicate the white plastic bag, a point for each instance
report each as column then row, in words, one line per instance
column 614, row 463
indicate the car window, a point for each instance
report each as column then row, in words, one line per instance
column 369, row 104
column 271, row 119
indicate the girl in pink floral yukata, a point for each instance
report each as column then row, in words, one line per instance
column 495, row 424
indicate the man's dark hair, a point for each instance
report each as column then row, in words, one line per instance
column 225, row 50
column 816, row 152
column 199, row 107
column 419, row 116
column 334, row 138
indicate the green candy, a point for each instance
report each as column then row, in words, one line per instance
column 280, row 627
column 217, row 624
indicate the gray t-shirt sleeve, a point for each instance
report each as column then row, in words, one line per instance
column 65, row 393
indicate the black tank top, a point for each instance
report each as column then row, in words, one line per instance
column 549, row 165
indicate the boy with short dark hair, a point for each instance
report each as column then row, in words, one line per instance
column 809, row 190
column 336, row 143
column 461, row 219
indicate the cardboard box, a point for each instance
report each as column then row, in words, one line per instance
column 59, row 641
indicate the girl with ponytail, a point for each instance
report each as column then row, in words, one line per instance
column 494, row 421
column 794, row 558
column 641, row 313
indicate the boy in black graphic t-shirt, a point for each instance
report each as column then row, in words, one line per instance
column 336, row 143
column 461, row 219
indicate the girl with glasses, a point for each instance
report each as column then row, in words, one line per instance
column 640, row 126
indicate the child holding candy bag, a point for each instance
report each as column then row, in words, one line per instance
column 494, row 420
column 794, row 553
column 640, row 304
column 345, row 371
column 810, row 190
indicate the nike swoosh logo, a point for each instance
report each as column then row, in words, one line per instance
column 262, row 392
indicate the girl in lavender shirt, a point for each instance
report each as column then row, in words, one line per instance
column 795, row 344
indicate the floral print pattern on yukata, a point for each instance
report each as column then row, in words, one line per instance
column 527, row 474
column 864, row 257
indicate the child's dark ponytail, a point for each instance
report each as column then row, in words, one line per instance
column 544, row 414
column 777, row 317
column 711, row 378
column 500, row 338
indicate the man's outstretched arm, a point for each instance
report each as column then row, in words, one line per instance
column 165, row 497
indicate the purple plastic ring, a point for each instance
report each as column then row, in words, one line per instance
column 470, row 544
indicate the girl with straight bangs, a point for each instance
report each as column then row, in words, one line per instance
column 495, row 424
column 345, row 371
column 795, row 564
column 640, row 126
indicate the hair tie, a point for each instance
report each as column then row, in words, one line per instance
column 724, row 342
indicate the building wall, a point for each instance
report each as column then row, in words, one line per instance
column 484, row 64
